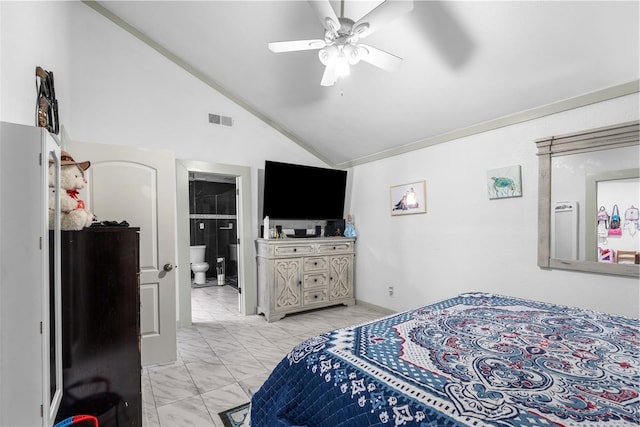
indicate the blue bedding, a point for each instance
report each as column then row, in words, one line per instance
column 473, row 360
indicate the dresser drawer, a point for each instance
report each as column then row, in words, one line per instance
column 324, row 248
column 315, row 263
column 316, row 296
column 314, row 280
column 282, row 250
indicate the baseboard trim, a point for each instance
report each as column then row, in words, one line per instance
column 374, row 307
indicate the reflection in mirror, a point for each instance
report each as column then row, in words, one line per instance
column 612, row 206
column 583, row 177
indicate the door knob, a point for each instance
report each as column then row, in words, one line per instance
column 167, row 267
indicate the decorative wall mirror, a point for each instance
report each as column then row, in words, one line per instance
column 583, row 177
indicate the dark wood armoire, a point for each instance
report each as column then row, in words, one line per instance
column 101, row 325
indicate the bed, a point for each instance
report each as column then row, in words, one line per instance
column 473, row 360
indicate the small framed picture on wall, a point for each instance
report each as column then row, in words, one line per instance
column 504, row 182
column 409, row 198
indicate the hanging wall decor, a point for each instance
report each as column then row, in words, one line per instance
column 46, row 104
column 504, row 182
column 409, row 198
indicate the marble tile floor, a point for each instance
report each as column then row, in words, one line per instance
column 224, row 357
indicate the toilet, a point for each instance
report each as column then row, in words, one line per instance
column 198, row 266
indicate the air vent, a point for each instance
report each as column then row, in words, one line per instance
column 217, row 119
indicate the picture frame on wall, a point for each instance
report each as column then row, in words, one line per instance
column 504, row 182
column 407, row 199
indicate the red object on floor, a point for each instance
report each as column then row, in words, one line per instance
column 76, row 419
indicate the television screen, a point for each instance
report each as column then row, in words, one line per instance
column 303, row 192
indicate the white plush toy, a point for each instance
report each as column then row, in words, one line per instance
column 73, row 214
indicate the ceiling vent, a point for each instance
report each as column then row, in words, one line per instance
column 217, row 119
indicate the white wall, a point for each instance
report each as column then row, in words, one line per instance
column 466, row 242
column 32, row 34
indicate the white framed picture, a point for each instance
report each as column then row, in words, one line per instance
column 504, row 182
column 409, row 198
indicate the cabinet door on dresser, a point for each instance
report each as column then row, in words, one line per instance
column 287, row 283
column 340, row 277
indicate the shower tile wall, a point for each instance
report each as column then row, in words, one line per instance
column 212, row 205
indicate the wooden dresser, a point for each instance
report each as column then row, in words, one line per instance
column 298, row 274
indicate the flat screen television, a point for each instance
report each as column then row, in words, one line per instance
column 303, row 192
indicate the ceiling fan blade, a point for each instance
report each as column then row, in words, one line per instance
column 296, row 45
column 380, row 16
column 329, row 77
column 326, row 15
column 379, row 58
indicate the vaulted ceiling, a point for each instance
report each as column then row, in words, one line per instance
column 467, row 66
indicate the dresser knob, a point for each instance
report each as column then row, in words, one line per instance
column 295, row 250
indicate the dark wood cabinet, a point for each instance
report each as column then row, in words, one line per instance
column 101, row 325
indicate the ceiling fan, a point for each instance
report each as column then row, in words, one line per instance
column 340, row 47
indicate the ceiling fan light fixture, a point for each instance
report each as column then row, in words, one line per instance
column 328, row 55
column 342, row 65
column 331, row 25
column 340, row 47
column 354, row 53
column 359, row 29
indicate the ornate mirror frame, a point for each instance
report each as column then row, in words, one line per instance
column 605, row 138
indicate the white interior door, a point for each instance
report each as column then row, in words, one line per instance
column 137, row 186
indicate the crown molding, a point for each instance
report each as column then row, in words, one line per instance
column 511, row 119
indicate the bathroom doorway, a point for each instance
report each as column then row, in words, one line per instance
column 243, row 267
column 213, row 224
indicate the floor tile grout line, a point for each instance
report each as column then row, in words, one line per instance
column 199, row 395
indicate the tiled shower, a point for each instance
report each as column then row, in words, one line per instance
column 212, row 218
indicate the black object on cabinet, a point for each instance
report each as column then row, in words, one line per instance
column 101, row 325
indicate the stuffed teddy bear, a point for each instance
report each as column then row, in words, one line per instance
column 73, row 214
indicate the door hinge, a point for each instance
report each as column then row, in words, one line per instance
column 40, row 159
column 237, row 191
column 40, row 328
column 41, row 411
column 40, row 242
column 237, row 240
column 239, row 290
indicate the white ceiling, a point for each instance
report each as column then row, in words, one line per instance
column 464, row 64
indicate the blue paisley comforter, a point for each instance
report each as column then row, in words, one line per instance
column 473, row 360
